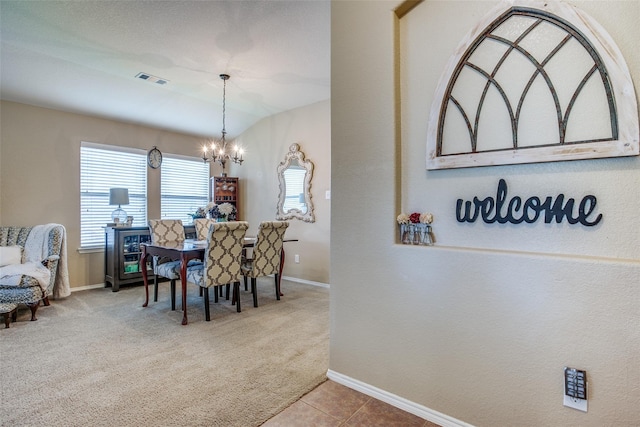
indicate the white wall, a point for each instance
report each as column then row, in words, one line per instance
column 480, row 326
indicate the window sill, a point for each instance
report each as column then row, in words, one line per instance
column 91, row 250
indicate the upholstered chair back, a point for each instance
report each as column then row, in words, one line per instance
column 266, row 252
column 166, row 230
column 223, row 256
column 202, row 227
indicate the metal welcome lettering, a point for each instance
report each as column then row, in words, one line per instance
column 515, row 211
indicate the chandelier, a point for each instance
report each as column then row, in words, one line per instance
column 218, row 151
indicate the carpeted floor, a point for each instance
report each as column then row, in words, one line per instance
column 98, row 358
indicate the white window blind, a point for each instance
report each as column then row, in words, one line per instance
column 184, row 186
column 103, row 167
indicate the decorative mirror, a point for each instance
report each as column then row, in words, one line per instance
column 294, row 174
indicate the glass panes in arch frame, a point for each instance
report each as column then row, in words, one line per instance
column 184, row 186
column 103, row 167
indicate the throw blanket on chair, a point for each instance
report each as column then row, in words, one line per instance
column 36, row 250
column 11, row 274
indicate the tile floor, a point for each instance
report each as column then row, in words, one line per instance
column 332, row 404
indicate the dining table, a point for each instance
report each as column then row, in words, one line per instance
column 184, row 251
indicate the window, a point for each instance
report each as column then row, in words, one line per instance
column 184, row 186
column 103, row 167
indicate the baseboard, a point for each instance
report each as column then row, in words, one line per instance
column 397, row 401
column 84, row 288
column 291, row 279
column 307, row 282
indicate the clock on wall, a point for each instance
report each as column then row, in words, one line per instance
column 154, row 158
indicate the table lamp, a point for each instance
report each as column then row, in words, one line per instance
column 119, row 196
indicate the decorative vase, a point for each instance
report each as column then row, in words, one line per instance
column 426, row 238
column 403, row 233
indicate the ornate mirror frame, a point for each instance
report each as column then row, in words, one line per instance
column 295, row 154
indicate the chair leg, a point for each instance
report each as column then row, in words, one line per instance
column 254, row 291
column 33, row 307
column 228, row 286
column 245, row 283
column 236, row 295
column 200, row 292
column 277, row 287
column 215, row 294
column 173, row 294
column 46, row 302
column 206, row 303
column 155, row 288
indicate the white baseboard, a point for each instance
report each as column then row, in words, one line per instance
column 307, row 282
column 397, row 401
column 84, row 288
column 291, row 279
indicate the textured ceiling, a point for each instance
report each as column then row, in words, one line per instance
column 83, row 56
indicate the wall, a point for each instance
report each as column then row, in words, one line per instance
column 40, row 176
column 478, row 328
column 267, row 142
column 40, row 171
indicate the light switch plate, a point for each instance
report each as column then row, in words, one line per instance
column 575, row 389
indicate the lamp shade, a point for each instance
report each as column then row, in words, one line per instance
column 119, row 196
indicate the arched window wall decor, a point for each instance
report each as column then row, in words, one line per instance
column 534, row 85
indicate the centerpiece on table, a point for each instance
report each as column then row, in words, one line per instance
column 222, row 212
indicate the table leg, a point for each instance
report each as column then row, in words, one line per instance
column 143, row 269
column 280, row 270
column 183, row 279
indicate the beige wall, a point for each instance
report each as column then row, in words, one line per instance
column 480, row 330
column 267, row 142
column 40, row 175
column 40, row 171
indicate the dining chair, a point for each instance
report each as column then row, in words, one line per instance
column 202, row 226
column 265, row 259
column 164, row 231
column 222, row 261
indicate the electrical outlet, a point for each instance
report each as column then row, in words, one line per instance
column 296, row 258
column 575, row 389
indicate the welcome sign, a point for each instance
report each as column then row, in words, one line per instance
column 516, row 211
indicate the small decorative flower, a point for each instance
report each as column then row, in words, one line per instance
column 199, row 213
column 426, row 218
column 403, row 218
column 414, row 218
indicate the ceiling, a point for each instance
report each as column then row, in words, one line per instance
column 83, row 57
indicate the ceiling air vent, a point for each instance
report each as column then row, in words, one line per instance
column 153, row 79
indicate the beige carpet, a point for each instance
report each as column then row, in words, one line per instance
column 97, row 358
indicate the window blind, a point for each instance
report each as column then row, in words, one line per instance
column 184, row 186
column 103, row 167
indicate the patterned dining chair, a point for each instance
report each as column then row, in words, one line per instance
column 222, row 261
column 165, row 231
column 266, row 255
column 202, row 226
